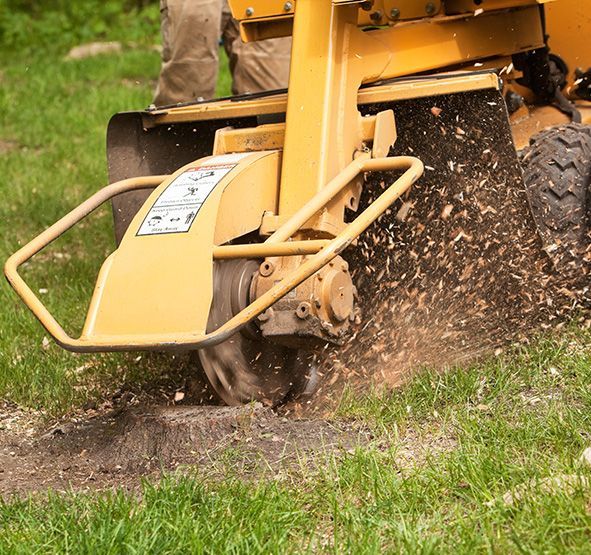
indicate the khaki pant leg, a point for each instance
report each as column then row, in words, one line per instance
column 256, row 66
column 190, row 37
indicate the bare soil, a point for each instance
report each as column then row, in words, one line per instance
column 7, row 146
column 119, row 447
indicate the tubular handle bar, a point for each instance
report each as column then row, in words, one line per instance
column 277, row 244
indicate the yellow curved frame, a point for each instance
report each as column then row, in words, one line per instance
column 276, row 245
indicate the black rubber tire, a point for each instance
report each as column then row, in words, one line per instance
column 557, row 174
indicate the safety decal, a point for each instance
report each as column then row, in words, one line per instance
column 177, row 207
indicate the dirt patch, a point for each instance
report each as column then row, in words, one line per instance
column 14, row 421
column 116, row 449
column 93, row 49
column 415, row 447
column 7, row 146
column 120, row 447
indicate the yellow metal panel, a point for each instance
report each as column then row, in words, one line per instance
column 266, row 28
column 421, row 88
column 273, row 18
column 276, row 104
column 381, row 11
column 399, row 10
column 248, row 9
column 249, row 139
column 161, row 285
column 469, row 6
column 568, row 24
column 420, row 46
column 272, row 136
column 322, row 121
column 246, row 199
column 388, row 12
column 391, row 9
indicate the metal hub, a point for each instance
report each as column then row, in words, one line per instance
column 336, row 293
column 316, row 312
column 248, row 367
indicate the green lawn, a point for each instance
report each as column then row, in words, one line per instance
column 53, row 118
column 447, row 447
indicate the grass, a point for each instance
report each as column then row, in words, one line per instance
column 448, row 447
column 519, row 419
column 53, row 117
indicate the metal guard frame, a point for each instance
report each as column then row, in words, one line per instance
column 278, row 244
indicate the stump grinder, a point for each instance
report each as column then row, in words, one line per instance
column 264, row 231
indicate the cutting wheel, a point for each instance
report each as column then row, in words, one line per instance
column 247, row 367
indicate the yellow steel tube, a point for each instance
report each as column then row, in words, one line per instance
column 51, row 234
column 414, row 169
column 263, row 250
column 327, row 193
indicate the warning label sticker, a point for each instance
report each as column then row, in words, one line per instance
column 177, row 207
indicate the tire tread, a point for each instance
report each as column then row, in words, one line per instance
column 557, row 175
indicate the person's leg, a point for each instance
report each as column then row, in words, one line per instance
column 230, row 37
column 190, row 37
column 256, row 66
column 263, row 65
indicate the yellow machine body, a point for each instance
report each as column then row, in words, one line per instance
column 568, row 24
column 290, row 181
column 152, row 250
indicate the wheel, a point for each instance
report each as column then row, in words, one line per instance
column 557, row 174
column 247, row 367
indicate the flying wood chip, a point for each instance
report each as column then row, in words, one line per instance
column 463, row 273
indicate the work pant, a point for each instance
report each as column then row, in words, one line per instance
column 191, row 30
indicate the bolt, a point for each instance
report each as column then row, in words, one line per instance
column 431, row 8
column 288, row 6
column 266, row 269
column 249, row 11
column 265, row 316
column 303, row 311
column 376, row 16
column 394, row 13
column 366, row 6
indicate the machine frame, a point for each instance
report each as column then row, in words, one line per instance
column 294, row 164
